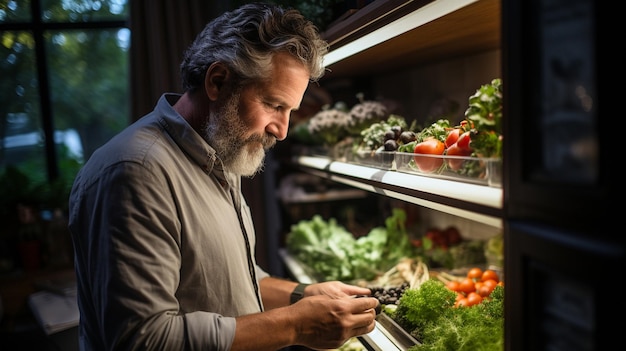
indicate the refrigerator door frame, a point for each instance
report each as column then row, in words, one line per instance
column 546, row 65
column 561, row 290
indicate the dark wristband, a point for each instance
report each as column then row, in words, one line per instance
column 297, row 293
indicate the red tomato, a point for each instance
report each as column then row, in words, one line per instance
column 461, row 302
column 429, row 147
column 487, row 287
column 464, row 141
column 453, row 285
column 454, row 150
column 467, row 286
column 490, row 274
column 475, row 273
column 452, row 137
column 473, row 299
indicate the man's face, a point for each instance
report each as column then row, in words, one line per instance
column 240, row 152
column 250, row 121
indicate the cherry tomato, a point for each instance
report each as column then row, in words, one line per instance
column 467, row 286
column 452, row 137
column 459, row 296
column 490, row 274
column 490, row 283
column 486, row 287
column 475, row 273
column 478, row 285
column 454, row 150
column 453, row 285
column 461, row 302
column 473, row 299
column 431, row 148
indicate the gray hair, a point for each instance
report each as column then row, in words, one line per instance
column 247, row 38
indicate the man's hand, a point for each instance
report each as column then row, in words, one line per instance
column 327, row 321
column 336, row 289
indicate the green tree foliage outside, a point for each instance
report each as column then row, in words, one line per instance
column 87, row 76
column 86, row 53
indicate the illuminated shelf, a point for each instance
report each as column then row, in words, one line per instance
column 476, row 202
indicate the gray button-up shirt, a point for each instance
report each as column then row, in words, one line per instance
column 164, row 241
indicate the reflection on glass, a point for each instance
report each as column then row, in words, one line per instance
column 83, row 10
column 569, row 123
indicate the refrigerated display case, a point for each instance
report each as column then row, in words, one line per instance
column 562, row 249
column 454, row 36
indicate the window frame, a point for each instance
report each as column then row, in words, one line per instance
column 38, row 27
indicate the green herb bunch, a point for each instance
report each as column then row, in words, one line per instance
column 428, row 313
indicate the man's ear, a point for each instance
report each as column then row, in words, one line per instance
column 215, row 78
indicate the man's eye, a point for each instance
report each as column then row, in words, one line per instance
column 270, row 105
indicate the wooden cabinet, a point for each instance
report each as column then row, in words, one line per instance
column 413, row 33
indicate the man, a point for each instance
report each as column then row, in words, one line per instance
column 164, row 241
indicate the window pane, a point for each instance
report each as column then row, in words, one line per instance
column 89, row 83
column 83, row 10
column 14, row 11
column 21, row 137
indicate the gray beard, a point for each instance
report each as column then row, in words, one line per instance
column 225, row 133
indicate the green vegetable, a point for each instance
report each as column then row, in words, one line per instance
column 428, row 314
column 334, row 254
column 485, row 116
column 419, row 307
column 467, row 253
column 320, row 245
column 398, row 244
column 373, row 137
column 438, row 130
column 485, row 107
column 494, row 250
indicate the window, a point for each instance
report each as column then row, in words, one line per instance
column 65, row 88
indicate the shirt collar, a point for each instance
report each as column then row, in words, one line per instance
column 184, row 135
column 190, row 141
